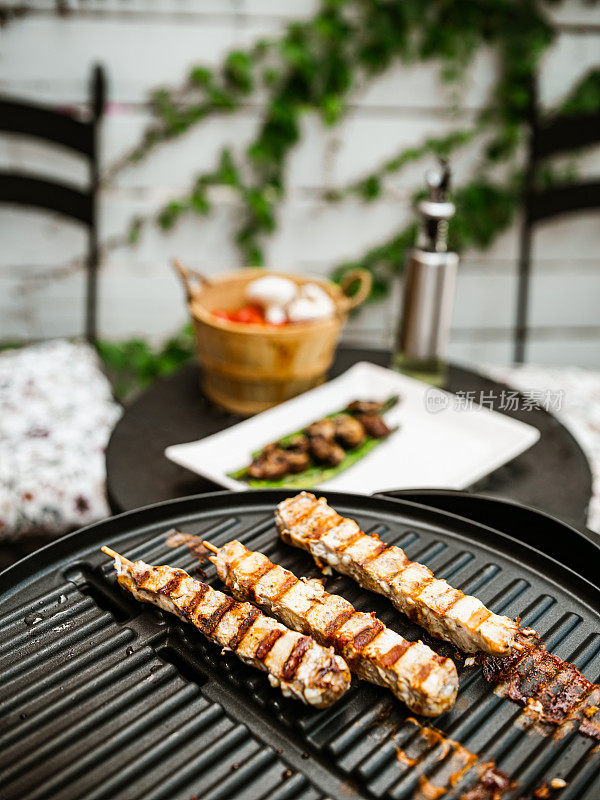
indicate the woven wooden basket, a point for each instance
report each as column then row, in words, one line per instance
column 248, row 368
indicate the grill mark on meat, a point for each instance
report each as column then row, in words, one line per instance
column 381, row 547
column 332, row 627
column 398, row 573
column 451, row 599
column 172, row 584
column 207, row 626
column 551, row 689
column 396, row 653
column 191, row 607
column 251, row 581
column 311, row 608
column 479, row 616
column 266, row 645
column 349, row 542
column 140, row 580
column 289, row 583
column 405, row 562
column 199, row 600
column 237, row 637
column 299, row 519
column 364, row 637
column 421, row 585
column 322, row 527
column 295, row 657
column 424, row 672
column 483, row 631
column 318, row 528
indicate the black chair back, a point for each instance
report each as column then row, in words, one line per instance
column 79, row 136
column 561, row 133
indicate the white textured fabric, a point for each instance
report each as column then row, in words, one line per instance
column 578, row 391
column 56, row 415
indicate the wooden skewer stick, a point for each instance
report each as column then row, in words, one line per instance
column 114, row 554
column 210, row 546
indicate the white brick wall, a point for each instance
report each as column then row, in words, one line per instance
column 145, row 43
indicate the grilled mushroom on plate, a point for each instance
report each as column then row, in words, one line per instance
column 348, row 430
column 326, row 451
column 374, row 425
column 364, row 407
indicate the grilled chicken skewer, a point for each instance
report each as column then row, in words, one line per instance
column 418, row 676
column 445, row 612
column 296, row 663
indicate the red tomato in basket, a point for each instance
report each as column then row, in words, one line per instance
column 222, row 314
column 249, row 315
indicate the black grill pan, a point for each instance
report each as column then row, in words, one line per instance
column 102, row 697
column 542, row 531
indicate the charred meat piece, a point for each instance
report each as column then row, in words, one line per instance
column 364, row 407
column 374, row 425
column 442, row 610
column 491, row 785
column 294, row 662
column 326, row 451
column 552, row 689
column 425, row 681
column 348, row 431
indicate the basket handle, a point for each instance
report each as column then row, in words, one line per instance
column 365, row 280
column 190, row 278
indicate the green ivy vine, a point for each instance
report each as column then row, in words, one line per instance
column 317, row 65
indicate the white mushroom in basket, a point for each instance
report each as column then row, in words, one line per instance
column 272, row 293
column 312, row 302
column 283, row 301
column 271, row 290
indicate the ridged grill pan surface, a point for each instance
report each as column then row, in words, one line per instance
column 103, row 697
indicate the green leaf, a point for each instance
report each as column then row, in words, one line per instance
column 201, row 76
column 332, row 108
column 170, row 214
column 314, row 65
column 370, row 188
column 200, row 204
column 228, row 173
column 134, row 230
column 585, row 96
column 238, row 72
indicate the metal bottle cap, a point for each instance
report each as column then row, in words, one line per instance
column 436, row 210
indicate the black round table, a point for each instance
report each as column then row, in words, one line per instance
column 553, row 475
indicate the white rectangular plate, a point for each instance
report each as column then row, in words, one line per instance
column 436, row 445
